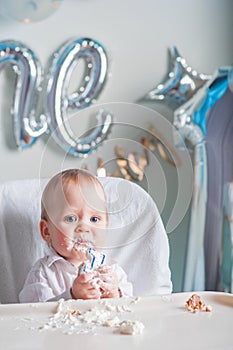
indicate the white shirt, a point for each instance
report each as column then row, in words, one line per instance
column 52, row 277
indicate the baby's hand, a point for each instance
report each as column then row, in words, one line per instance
column 83, row 287
column 108, row 282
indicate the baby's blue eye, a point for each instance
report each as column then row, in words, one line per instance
column 94, row 219
column 70, row 218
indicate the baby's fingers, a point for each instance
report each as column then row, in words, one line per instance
column 84, row 278
column 108, row 290
column 110, row 278
column 92, row 294
column 105, row 269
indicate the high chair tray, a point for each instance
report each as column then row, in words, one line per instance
column 90, row 324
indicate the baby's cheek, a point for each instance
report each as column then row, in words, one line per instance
column 100, row 238
column 68, row 246
column 66, row 243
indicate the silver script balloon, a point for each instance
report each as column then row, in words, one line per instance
column 59, row 102
column 27, row 90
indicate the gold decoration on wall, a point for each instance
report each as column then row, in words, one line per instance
column 131, row 166
column 157, row 141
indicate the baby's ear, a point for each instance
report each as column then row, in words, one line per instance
column 44, row 231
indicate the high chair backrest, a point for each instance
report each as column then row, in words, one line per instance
column 136, row 238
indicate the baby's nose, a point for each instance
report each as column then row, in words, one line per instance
column 82, row 226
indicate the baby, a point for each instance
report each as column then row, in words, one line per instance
column 74, row 218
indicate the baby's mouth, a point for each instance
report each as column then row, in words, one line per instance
column 82, row 245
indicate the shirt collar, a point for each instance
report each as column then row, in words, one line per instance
column 53, row 256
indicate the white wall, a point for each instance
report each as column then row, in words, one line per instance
column 136, row 35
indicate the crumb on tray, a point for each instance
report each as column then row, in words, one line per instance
column 195, row 303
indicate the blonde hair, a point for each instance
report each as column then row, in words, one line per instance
column 63, row 179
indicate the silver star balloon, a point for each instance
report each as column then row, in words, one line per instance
column 181, row 84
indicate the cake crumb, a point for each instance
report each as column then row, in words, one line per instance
column 131, row 327
column 195, row 303
column 208, row 308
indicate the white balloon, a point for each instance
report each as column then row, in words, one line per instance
column 29, row 10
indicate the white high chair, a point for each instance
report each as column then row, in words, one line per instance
column 136, row 237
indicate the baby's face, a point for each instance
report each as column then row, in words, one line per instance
column 77, row 219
